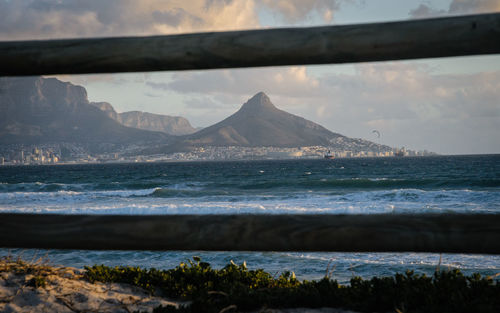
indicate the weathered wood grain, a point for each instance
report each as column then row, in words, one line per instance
column 464, row 233
column 441, row 37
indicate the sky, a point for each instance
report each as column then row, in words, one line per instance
column 446, row 105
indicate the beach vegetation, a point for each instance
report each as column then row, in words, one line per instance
column 37, row 270
column 235, row 288
column 37, row 281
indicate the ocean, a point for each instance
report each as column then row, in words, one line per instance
column 440, row 184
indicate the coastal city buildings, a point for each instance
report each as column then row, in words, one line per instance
column 72, row 153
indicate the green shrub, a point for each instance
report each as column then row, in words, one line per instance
column 212, row 290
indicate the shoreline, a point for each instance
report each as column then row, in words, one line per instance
column 180, row 161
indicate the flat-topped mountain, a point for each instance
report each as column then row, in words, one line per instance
column 38, row 110
column 172, row 125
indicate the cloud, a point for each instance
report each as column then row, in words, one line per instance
column 157, row 85
column 48, row 19
column 412, row 91
column 457, row 7
column 425, row 11
column 394, row 90
column 152, row 95
column 86, row 78
column 110, row 79
column 292, row 11
column 474, row 6
column 292, row 81
column 35, row 19
column 411, row 105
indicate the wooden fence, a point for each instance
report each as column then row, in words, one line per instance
column 442, row 37
column 383, row 232
column 453, row 36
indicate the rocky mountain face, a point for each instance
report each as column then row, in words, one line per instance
column 38, row 110
column 172, row 125
column 107, row 108
column 259, row 123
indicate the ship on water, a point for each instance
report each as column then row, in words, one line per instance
column 329, row 155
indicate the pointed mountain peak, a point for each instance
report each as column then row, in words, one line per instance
column 259, row 101
column 260, row 96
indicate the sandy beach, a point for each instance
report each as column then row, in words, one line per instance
column 35, row 287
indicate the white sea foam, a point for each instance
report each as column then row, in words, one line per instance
column 141, row 202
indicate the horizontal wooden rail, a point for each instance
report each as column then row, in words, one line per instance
column 464, row 233
column 413, row 39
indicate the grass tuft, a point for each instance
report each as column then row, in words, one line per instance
column 37, row 270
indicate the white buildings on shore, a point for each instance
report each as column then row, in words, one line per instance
column 52, row 155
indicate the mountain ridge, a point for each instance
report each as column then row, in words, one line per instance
column 46, row 110
column 172, row 125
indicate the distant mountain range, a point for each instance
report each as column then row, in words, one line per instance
column 45, row 110
column 172, row 125
column 37, row 110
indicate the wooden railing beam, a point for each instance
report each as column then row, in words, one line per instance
column 412, row 39
column 460, row 233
